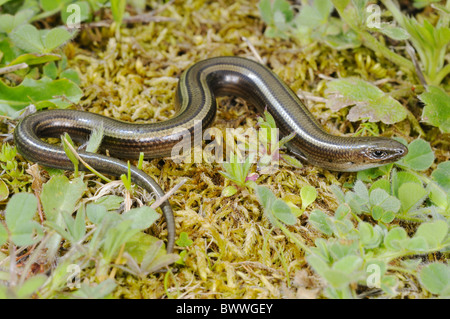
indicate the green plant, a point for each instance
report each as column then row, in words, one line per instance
column 183, row 241
column 4, row 191
column 279, row 213
column 275, row 209
column 35, row 56
column 344, row 257
column 238, row 173
column 313, row 21
column 13, row 175
column 278, row 16
column 118, row 10
column 362, row 254
column 31, row 40
column 430, row 42
column 359, row 252
column 97, row 246
column 270, row 145
column 94, row 291
column 308, row 195
column 264, row 149
column 93, row 144
column 389, row 222
column 360, row 21
column 153, row 260
column 21, row 227
column 24, row 50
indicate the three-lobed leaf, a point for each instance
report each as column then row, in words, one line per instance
column 315, row 14
column 396, row 238
column 370, row 236
column 28, row 38
column 420, row 155
column 278, row 15
column 381, row 183
column 32, row 40
column 380, row 198
column 403, row 177
column 184, row 240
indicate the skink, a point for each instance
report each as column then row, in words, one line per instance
column 195, row 99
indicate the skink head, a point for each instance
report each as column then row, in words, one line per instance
column 376, row 151
column 384, row 150
column 352, row 154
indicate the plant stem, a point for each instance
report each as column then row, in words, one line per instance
column 75, row 153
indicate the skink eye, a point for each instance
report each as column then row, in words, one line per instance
column 378, row 154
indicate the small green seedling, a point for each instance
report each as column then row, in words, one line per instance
column 238, row 173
